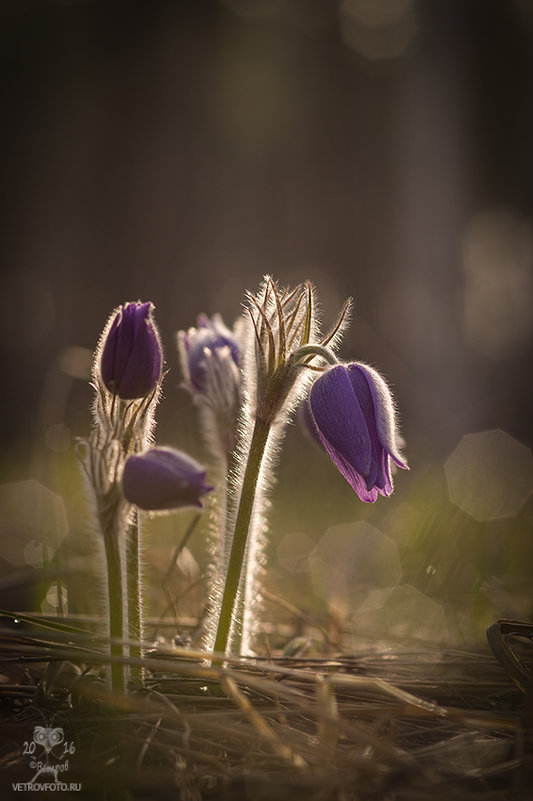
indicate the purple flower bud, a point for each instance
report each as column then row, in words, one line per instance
column 196, row 345
column 131, row 358
column 224, row 336
column 352, row 409
column 163, row 478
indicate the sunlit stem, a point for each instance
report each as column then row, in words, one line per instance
column 240, row 534
column 135, row 594
column 116, row 606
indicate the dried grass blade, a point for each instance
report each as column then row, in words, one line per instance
column 260, row 724
column 42, row 623
column 327, row 713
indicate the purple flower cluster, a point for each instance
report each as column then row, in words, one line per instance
column 352, row 414
column 350, row 410
column 244, row 405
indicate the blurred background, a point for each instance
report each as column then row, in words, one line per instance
column 177, row 152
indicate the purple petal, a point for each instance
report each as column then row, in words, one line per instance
column 376, row 475
column 163, row 478
column 198, row 342
column 211, row 335
column 355, row 480
column 131, row 359
column 384, row 412
column 353, row 414
column 341, row 422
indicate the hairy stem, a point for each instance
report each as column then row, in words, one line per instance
column 116, row 606
column 135, row 594
column 222, row 505
column 240, row 534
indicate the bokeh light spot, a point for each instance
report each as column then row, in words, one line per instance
column 76, row 362
column 350, row 559
column 401, row 612
column 187, row 564
column 31, row 515
column 293, row 552
column 378, row 29
column 489, row 475
column 56, row 600
column 34, row 554
column 498, row 268
column 58, row 437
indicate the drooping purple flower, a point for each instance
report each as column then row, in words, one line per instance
column 352, row 409
column 131, row 359
column 198, row 345
column 163, row 478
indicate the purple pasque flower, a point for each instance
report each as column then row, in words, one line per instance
column 131, row 358
column 198, row 345
column 163, row 478
column 353, row 412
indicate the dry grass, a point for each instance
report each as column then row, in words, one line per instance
column 402, row 725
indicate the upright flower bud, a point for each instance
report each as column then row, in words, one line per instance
column 163, row 478
column 209, row 358
column 353, row 411
column 131, row 358
column 199, row 346
column 285, row 329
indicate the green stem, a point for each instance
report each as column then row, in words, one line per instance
column 116, row 607
column 135, row 594
column 240, row 535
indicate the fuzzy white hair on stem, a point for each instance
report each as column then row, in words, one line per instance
column 281, row 341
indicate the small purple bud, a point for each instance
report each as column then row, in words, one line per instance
column 353, row 412
column 210, row 336
column 131, row 359
column 163, row 478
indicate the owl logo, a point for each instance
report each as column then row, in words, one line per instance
column 48, row 737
